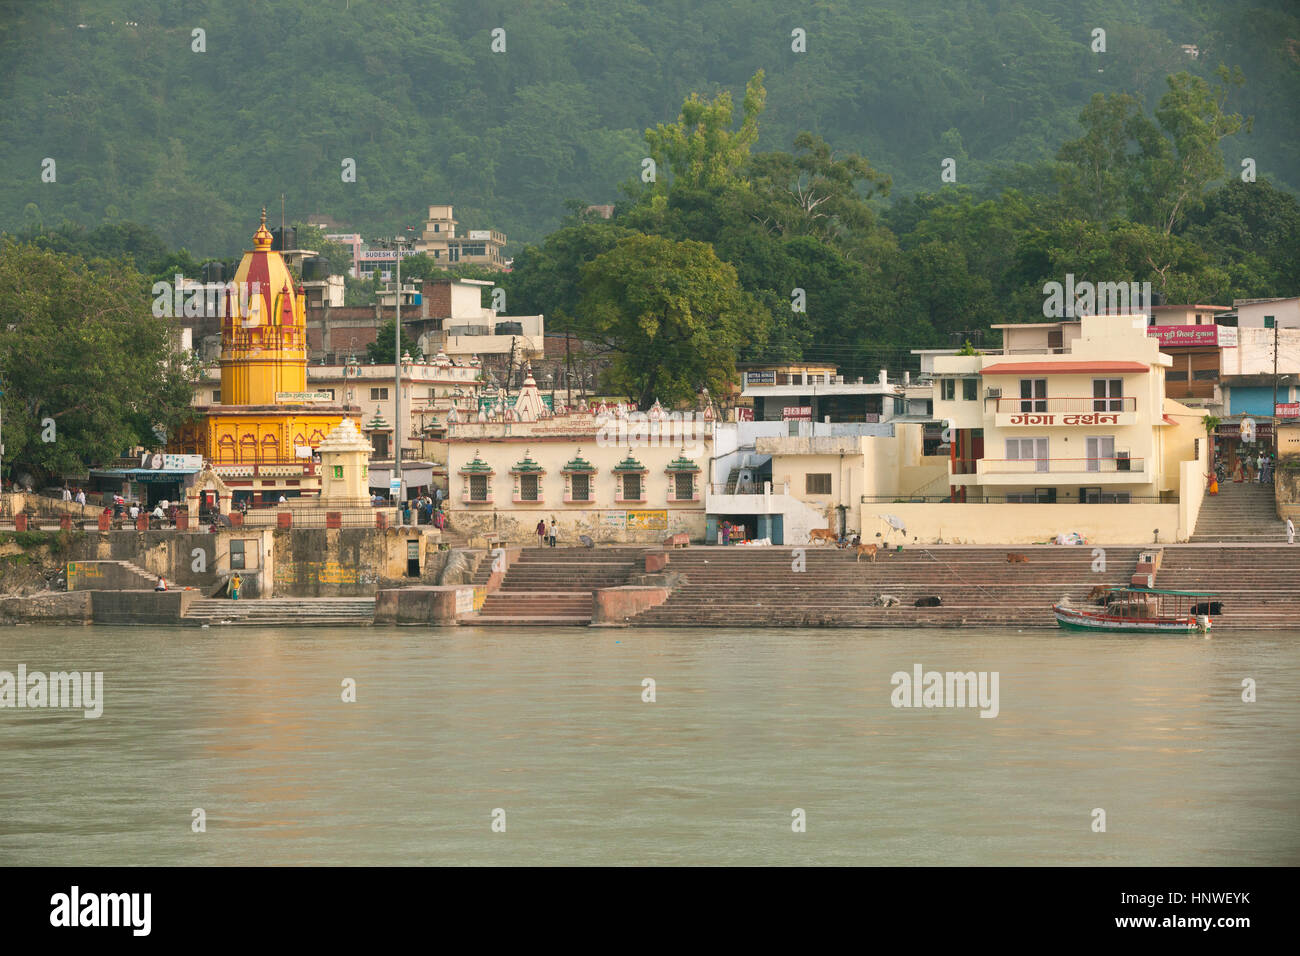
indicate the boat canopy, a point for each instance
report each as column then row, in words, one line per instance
column 1159, row 591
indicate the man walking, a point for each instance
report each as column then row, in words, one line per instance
column 541, row 532
column 554, row 532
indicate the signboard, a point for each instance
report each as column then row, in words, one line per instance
column 767, row 377
column 614, row 520
column 155, row 461
column 796, row 413
column 744, row 414
column 480, row 234
column 1181, row 336
column 305, row 397
column 1287, row 410
column 647, row 520
column 394, row 486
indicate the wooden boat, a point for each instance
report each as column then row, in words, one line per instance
column 1137, row 610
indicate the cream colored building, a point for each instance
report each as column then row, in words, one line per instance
column 1059, row 434
column 525, row 464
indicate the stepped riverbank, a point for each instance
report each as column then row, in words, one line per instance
column 924, row 587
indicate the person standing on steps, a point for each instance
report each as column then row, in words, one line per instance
column 554, row 532
column 541, row 532
column 235, row 583
column 1290, row 531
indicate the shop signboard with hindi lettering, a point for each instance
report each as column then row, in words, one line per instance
column 647, row 520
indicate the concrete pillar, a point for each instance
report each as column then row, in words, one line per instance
column 334, row 519
column 20, row 522
column 236, row 519
column 142, row 523
column 284, row 519
column 65, row 522
column 105, row 522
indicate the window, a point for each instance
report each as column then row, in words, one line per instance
column 1033, row 394
column 632, row 487
column 948, row 389
column 216, row 397
column 1100, row 450
column 529, row 487
column 969, row 389
column 1108, row 394
column 478, row 487
column 1029, row 449
column 581, row 488
column 379, row 394
column 237, row 556
column 1269, row 321
column 338, row 471
column 818, row 484
column 1205, row 374
column 683, row 486
column 1176, row 375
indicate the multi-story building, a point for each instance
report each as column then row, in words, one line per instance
column 816, row 392
column 1090, row 424
column 480, row 247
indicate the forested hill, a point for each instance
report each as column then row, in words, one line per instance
column 142, row 128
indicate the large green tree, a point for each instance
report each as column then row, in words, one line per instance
column 88, row 371
column 672, row 316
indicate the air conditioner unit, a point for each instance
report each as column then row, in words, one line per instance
column 993, row 393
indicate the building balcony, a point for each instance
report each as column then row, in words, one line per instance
column 1015, row 412
column 1030, row 471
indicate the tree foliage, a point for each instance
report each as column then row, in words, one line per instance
column 88, row 372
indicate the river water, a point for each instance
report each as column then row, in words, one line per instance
column 549, row 726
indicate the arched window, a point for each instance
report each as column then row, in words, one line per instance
column 270, row 449
column 248, row 450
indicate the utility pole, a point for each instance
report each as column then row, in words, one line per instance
column 1274, row 408
column 398, row 242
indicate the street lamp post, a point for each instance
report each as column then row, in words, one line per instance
column 398, row 242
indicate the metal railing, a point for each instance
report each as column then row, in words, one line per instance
column 1012, row 499
column 1026, row 466
column 1039, row 405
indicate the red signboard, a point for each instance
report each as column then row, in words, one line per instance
column 1287, row 410
column 797, row 413
column 1190, row 335
column 744, row 414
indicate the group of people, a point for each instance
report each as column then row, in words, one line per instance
column 425, row 509
column 79, row 496
column 545, row 534
column 1257, row 468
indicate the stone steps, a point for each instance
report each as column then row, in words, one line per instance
column 285, row 612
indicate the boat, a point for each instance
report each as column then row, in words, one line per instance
column 1137, row 610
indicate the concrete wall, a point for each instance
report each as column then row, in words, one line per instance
column 980, row 523
column 71, row 607
column 613, row 607
column 140, row 607
column 430, row 605
column 300, row 562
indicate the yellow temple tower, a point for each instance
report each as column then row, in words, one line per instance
column 261, row 439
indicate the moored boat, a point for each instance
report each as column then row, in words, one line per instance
column 1138, row 610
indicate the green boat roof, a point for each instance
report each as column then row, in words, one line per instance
column 1118, row 587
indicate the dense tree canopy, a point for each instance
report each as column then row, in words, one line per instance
column 142, row 128
column 88, row 371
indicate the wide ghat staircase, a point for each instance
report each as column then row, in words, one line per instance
column 1258, row 585
column 553, row 586
column 1245, row 512
column 757, row 587
column 282, row 612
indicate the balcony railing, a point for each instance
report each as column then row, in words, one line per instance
column 1124, row 404
column 1029, row 466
